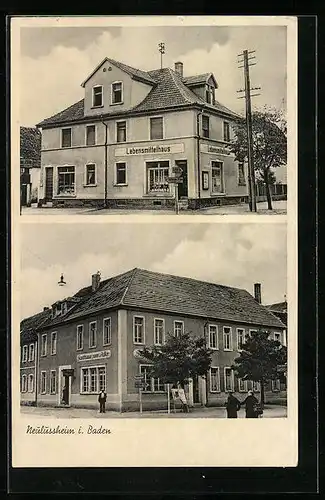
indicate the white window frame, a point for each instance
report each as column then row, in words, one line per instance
column 89, row 333
column 24, row 383
column 174, row 330
column 230, row 336
column 222, row 177
column 109, row 319
column 85, row 174
column 232, row 379
column 54, row 344
column 87, row 126
column 144, row 329
column 57, row 180
column 217, row 337
column 277, row 333
column 163, row 331
column 276, row 385
column 126, row 131
column 237, row 337
column 218, row 378
column 88, row 368
column 147, row 170
column 93, row 96
column 31, row 352
column 256, row 386
column 245, row 389
column 151, row 381
column 112, row 93
column 56, row 382
column 224, row 131
column 252, row 330
column 25, row 353
column 163, row 127
column 82, row 337
column 126, row 174
column 41, row 381
column 61, row 135
column 30, row 382
column 44, row 344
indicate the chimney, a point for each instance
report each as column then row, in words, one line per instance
column 46, row 308
column 179, row 68
column 257, row 292
column 95, row 281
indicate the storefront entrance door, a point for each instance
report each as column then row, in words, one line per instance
column 182, row 187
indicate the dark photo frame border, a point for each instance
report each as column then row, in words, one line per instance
column 212, row 480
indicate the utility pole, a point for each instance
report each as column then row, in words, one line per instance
column 161, row 46
column 245, row 63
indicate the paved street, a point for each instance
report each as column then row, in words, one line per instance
column 279, row 208
column 270, row 411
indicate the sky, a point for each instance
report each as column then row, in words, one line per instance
column 237, row 255
column 56, row 60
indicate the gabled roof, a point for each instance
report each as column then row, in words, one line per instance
column 142, row 289
column 168, row 91
column 30, row 146
column 136, row 74
column 278, row 307
column 192, row 81
column 34, row 322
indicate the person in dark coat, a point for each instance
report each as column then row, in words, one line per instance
column 232, row 406
column 65, row 395
column 251, row 404
column 102, row 400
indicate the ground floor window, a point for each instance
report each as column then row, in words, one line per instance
column 217, row 177
column 53, row 382
column 66, row 180
column 120, row 174
column 43, row 382
column 241, row 174
column 152, row 384
column 93, row 379
column 178, row 328
column 90, row 174
column 229, row 379
column 23, row 387
column 256, row 386
column 157, row 179
column 214, row 379
column 276, row 385
column 30, row 382
column 242, row 385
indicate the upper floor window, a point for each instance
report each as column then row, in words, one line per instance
column 277, row 337
column 156, row 128
column 117, row 93
column 138, row 330
column 53, row 342
column 90, row 135
column 210, row 94
column 107, row 331
column 44, row 345
column 66, row 137
column 241, row 175
column 178, row 328
column 92, row 333
column 80, row 337
column 121, row 131
column 226, row 131
column 25, row 350
column 97, row 96
column 213, row 336
column 205, row 126
column 227, row 338
column 159, row 331
column 90, row 174
column 240, row 338
column 31, row 355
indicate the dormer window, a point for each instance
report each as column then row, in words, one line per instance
column 209, row 94
column 117, row 93
column 97, row 96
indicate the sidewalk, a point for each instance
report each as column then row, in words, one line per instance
column 270, row 411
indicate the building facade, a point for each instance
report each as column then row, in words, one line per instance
column 121, row 145
column 91, row 341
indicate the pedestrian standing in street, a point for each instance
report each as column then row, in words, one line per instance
column 182, row 397
column 232, row 406
column 251, row 405
column 102, row 400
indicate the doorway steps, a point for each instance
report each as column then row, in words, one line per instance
column 183, row 203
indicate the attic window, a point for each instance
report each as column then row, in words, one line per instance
column 117, row 93
column 209, row 94
column 97, row 96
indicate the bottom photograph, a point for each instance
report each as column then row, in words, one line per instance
column 136, row 320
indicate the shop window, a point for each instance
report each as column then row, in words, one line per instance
column 90, row 135
column 229, row 379
column 158, row 173
column 227, row 338
column 138, row 330
column 213, row 337
column 66, row 180
column 178, row 328
column 241, row 175
column 97, row 96
column 152, row 384
column 159, row 331
column 80, row 337
column 93, row 379
column 205, row 126
column 214, row 379
column 121, row 174
column 90, row 174
column 156, row 128
column 121, row 131
column 117, row 93
column 107, row 331
column 217, row 176
column 66, row 138
column 92, row 334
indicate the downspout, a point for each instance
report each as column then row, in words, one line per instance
column 36, row 368
column 105, row 165
column 198, row 152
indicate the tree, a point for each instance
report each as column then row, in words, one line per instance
column 269, row 145
column 178, row 359
column 260, row 360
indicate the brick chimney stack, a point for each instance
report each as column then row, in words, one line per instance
column 95, row 281
column 179, row 68
column 257, row 292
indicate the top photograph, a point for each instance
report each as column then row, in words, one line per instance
column 153, row 120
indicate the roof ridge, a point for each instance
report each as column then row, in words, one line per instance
column 132, row 274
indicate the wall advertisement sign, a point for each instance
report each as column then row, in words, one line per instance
column 92, row 356
column 219, row 150
column 149, row 150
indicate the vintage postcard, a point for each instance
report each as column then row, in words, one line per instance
column 154, row 256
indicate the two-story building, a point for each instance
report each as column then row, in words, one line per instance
column 120, row 145
column 92, row 340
